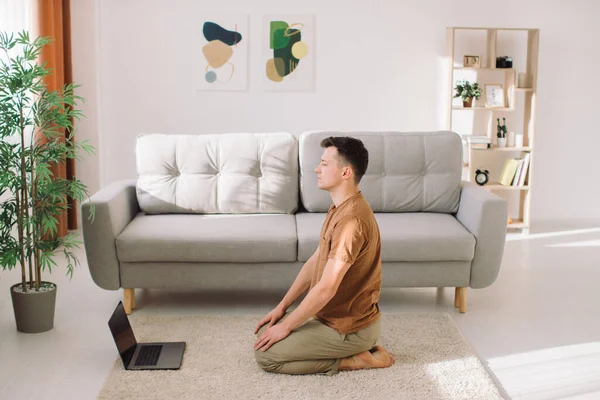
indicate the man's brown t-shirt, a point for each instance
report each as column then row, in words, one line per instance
column 350, row 234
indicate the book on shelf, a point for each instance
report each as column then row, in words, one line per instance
column 508, row 172
column 478, row 142
column 514, row 171
column 478, row 139
column 524, row 170
column 515, row 181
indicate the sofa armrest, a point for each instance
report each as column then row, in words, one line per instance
column 485, row 215
column 115, row 206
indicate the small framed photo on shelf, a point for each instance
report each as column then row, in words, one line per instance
column 494, row 95
column 472, row 61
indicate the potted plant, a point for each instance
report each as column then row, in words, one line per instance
column 501, row 132
column 33, row 120
column 467, row 90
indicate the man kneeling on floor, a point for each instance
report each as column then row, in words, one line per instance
column 337, row 324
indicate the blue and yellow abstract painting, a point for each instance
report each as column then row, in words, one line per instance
column 224, row 53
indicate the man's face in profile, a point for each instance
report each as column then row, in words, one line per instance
column 330, row 170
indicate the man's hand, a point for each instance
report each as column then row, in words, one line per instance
column 271, row 336
column 271, row 318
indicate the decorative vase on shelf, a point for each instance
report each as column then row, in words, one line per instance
column 468, row 102
column 501, row 142
column 510, row 139
column 519, row 140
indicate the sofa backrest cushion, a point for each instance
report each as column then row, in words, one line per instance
column 217, row 174
column 407, row 172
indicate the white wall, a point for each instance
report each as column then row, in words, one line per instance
column 84, row 38
column 378, row 66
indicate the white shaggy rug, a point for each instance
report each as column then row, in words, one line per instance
column 433, row 361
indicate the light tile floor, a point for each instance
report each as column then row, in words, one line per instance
column 537, row 327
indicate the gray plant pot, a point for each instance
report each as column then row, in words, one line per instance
column 34, row 311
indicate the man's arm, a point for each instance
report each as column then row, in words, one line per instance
column 299, row 287
column 320, row 295
column 316, row 299
column 302, row 282
column 347, row 240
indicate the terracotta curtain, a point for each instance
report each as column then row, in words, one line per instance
column 52, row 18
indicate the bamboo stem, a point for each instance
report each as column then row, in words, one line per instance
column 36, row 251
column 22, row 256
column 38, row 273
column 32, row 244
column 23, row 205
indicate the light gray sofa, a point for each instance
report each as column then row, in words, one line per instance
column 243, row 211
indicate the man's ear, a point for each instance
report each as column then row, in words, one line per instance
column 348, row 173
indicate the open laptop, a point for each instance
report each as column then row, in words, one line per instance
column 138, row 356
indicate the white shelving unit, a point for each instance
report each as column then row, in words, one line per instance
column 522, row 45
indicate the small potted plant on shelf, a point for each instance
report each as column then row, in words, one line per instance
column 467, row 91
column 33, row 122
column 501, row 132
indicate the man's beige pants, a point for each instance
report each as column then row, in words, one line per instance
column 315, row 348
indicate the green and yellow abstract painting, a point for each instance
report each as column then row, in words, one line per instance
column 290, row 60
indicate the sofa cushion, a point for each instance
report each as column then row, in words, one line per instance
column 407, row 172
column 309, row 228
column 209, row 238
column 213, row 174
column 404, row 237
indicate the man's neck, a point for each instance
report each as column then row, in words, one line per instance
column 342, row 194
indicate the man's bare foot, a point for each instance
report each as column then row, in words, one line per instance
column 377, row 357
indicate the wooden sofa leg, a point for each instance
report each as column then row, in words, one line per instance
column 460, row 299
column 456, row 297
column 128, row 300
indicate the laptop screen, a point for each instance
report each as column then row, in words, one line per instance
column 122, row 333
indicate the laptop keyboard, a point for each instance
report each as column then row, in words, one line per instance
column 148, row 355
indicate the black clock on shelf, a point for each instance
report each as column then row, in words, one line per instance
column 481, row 177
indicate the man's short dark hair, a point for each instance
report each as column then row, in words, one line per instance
column 351, row 151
